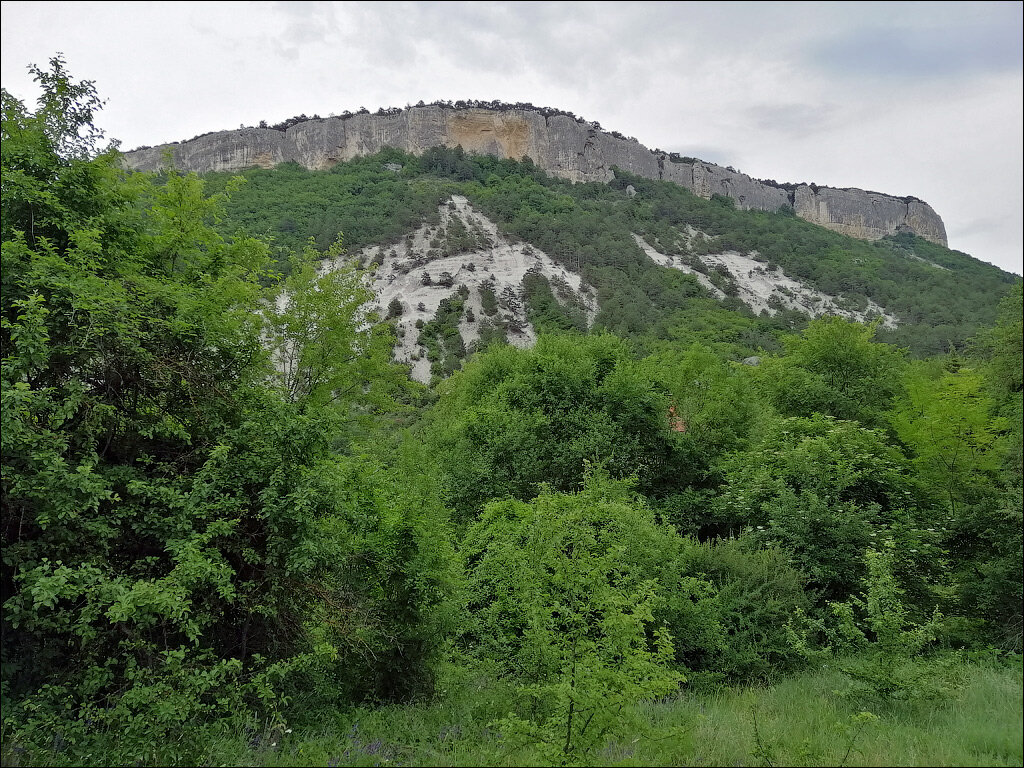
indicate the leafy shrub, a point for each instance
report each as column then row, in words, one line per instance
column 889, row 668
column 757, row 593
column 836, row 369
column 824, row 490
column 557, row 598
column 183, row 543
column 514, row 418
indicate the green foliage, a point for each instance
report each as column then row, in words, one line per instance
column 450, row 163
column 546, row 312
column 1004, row 346
column 441, row 338
column 326, row 347
column 62, row 121
column 942, row 297
column 48, row 191
column 987, row 540
column 757, row 594
column 458, row 239
column 182, row 545
column 214, row 527
column 802, row 720
column 726, row 608
column 887, row 615
column 834, row 368
column 492, row 331
column 985, row 477
column 512, row 419
column 950, row 425
column 824, row 490
column 731, row 334
column 966, row 449
column 589, row 227
column 712, row 408
column 488, row 301
column 558, row 598
column 361, row 198
column 887, row 671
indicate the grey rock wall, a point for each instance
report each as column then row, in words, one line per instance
column 564, row 147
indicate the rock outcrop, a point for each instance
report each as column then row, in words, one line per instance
column 497, row 265
column 764, row 288
column 558, row 143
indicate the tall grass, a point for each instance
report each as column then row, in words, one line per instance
column 808, row 719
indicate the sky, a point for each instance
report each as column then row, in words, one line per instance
column 921, row 99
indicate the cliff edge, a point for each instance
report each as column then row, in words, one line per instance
column 560, row 144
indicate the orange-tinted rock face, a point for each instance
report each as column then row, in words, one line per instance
column 569, row 148
column 490, row 133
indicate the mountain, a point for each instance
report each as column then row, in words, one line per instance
column 560, row 143
column 415, row 278
column 468, row 249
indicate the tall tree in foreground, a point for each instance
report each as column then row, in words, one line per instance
column 181, row 541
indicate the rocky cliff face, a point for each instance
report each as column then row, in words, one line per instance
column 563, row 146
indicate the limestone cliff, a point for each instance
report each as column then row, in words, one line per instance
column 560, row 144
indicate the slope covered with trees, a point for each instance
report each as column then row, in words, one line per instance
column 941, row 297
column 234, row 531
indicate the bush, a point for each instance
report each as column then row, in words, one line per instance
column 889, row 668
column 185, row 548
column 823, row 490
column 557, row 598
column 515, row 418
column 757, row 594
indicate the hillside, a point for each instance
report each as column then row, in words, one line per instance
column 663, row 262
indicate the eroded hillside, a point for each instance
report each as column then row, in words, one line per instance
column 446, row 219
column 452, row 284
column 761, row 287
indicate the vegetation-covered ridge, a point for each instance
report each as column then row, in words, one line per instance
column 940, row 297
column 234, row 532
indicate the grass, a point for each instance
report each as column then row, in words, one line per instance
column 808, row 719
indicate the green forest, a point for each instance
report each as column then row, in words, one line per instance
column 236, row 533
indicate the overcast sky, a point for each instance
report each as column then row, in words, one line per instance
column 920, row 99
